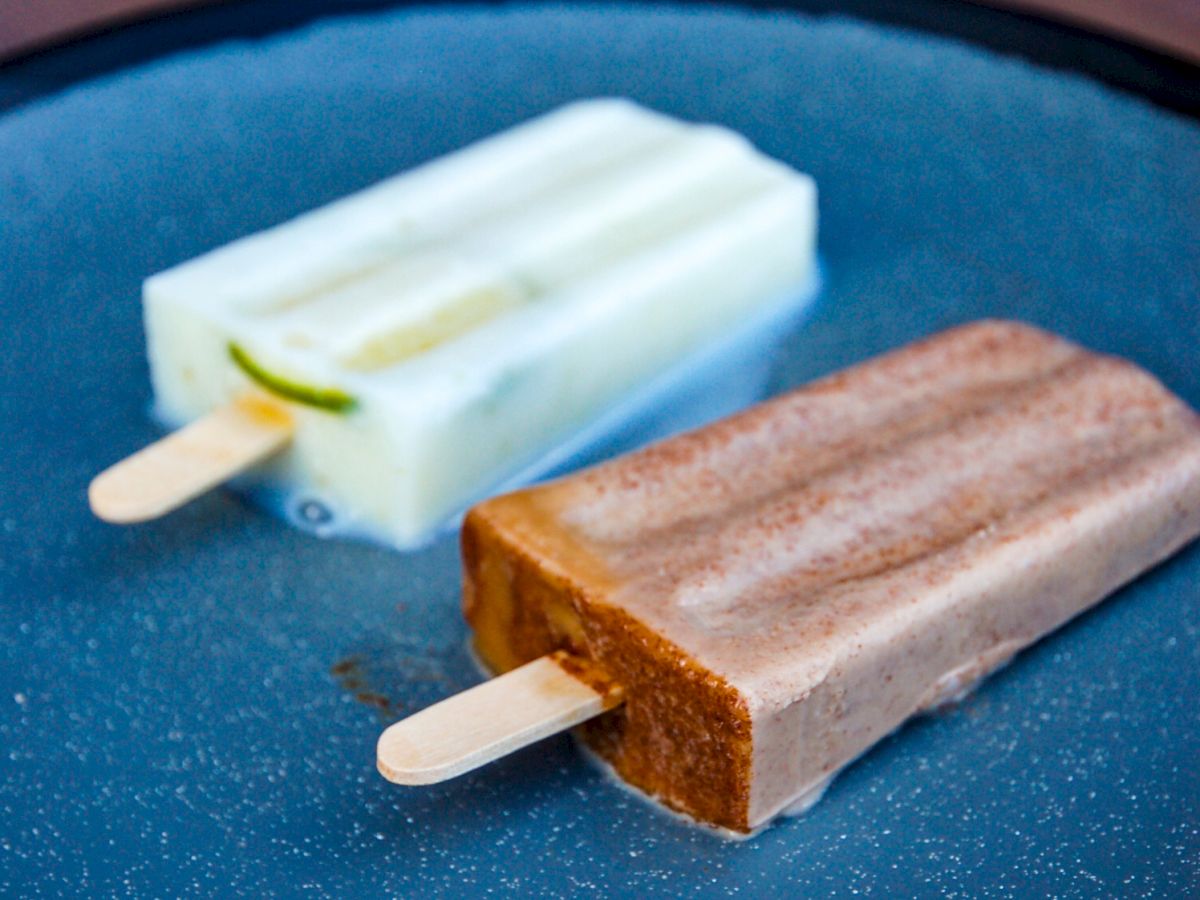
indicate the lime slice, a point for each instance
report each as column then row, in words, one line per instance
column 331, row 399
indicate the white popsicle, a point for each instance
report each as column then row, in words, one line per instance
column 433, row 334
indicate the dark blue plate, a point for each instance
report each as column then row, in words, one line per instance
column 192, row 705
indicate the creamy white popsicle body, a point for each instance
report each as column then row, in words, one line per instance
column 434, row 333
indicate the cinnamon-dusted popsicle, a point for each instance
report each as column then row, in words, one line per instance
column 774, row 593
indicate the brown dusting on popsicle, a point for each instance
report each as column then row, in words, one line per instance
column 682, row 735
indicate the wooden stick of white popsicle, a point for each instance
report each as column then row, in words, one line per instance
column 187, row 463
column 492, row 720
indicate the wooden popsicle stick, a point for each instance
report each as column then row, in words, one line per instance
column 191, row 461
column 492, row 720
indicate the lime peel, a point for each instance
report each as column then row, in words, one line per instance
column 330, row 399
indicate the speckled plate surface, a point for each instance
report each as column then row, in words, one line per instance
column 191, row 706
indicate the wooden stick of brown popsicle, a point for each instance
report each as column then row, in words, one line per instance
column 493, row 719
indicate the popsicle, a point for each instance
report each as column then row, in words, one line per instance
column 428, row 337
column 736, row 613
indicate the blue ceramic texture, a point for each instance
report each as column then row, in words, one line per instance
column 190, row 707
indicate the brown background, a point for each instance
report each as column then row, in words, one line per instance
column 1170, row 26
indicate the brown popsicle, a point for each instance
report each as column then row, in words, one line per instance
column 776, row 592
